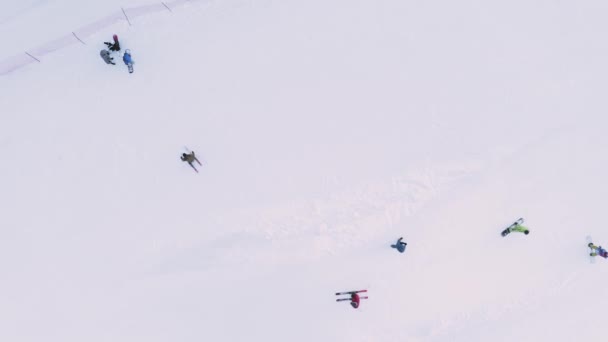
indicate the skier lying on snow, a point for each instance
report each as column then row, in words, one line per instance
column 400, row 245
column 190, row 158
column 355, row 300
column 595, row 250
column 354, row 297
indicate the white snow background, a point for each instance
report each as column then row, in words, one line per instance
column 327, row 130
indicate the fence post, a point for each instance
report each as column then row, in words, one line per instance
column 74, row 33
column 32, row 56
column 164, row 4
column 125, row 13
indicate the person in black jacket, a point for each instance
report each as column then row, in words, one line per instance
column 113, row 46
column 190, row 158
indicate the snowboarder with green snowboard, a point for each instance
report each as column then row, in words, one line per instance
column 516, row 227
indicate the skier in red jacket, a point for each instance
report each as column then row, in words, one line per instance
column 355, row 300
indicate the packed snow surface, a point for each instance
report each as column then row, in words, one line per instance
column 327, row 129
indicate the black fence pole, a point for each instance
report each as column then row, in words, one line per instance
column 32, row 56
column 164, row 4
column 80, row 40
column 125, row 13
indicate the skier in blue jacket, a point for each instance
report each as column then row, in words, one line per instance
column 128, row 60
column 400, row 245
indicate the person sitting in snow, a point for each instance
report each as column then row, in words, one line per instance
column 595, row 250
column 113, row 46
column 105, row 54
column 400, row 245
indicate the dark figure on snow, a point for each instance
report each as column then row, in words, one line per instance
column 400, row 245
column 355, row 300
column 595, row 250
column 113, row 46
column 105, row 54
column 190, row 158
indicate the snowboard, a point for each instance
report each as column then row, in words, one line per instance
column 507, row 230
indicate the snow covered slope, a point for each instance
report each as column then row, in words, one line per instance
column 26, row 24
column 327, row 129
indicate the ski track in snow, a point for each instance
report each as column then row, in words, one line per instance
column 328, row 226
